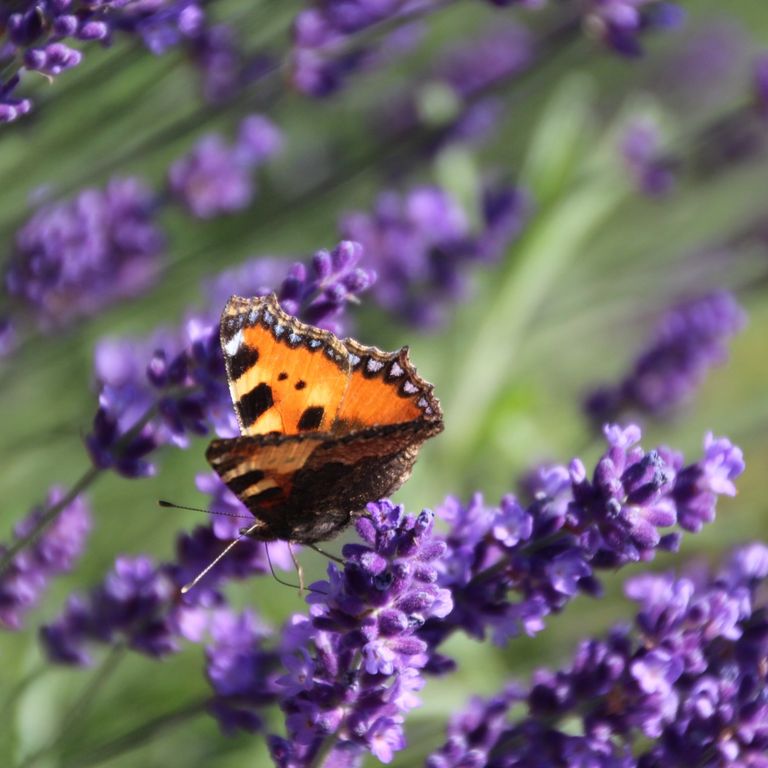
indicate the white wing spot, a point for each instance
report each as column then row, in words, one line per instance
column 234, row 343
column 410, row 388
column 395, row 370
column 374, row 366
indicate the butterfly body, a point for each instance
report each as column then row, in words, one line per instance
column 327, row 425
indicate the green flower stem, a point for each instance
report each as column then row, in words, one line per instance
column 50, row 514
column 81, row 704
column 140, row 736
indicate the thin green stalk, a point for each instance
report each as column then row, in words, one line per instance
column 50, row 514
column 85, row 482
column 81, row 704
column 139, row 736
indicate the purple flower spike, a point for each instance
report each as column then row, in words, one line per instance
column 651, row 172
column 216, row 178
column 690, row 339
column 620, row 24
column 129, row 606
column 760, row 80
column 23, row 584
column 510, row 566
column 685, row 686
column 421, row 245
column 38, row 35
column 364, row 666
column 239, row 670
column 76, row 257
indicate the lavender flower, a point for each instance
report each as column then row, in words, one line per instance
column 39, row 34
column 548, row 550
column 325, row 50
column 620, row 23
column 760, row 84
column 240, row 670
column 353, row 669
column 420, row 245
column 217, row 178
column 652, row 172
column 73, row 258
column 691, row 338
column 161, row 390
column 127, row 607
column 684, row 687
column 22, row 585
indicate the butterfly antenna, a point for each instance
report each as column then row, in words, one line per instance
column 210, row 565
column 171, row 505
column 326, row 554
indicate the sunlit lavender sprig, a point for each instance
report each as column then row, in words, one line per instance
column 685, row 686
column 354, row 666
column 421, row 245
column 75, row 257
column 326, row 46
column 216, row 177
column 652, row 171
column 139, row 603
column 452, row 94
column 24, row 582
column 39, row 35
column 160, row 390
column 510, row 566
column 690, row 339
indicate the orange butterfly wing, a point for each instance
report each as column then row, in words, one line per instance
column 327, row 425
column 284, row 376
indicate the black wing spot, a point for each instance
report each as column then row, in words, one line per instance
column 312, row 418
column 244, row 359
column 254, row 403
column 282, row 376
column 300, row 384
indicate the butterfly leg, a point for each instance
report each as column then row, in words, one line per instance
column 299, row 569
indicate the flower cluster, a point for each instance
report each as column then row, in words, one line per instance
column 690, row 339
column 686, row 686
column 241, row 670
column 139, row 602
column 75, row 257
column 652, row 172
column 160, row 390
column 454, row 95
column 39, row 35
column 545, row 552
column 23, row 583
column 217, row 178
column 353, row 668
column 620, row 24
column 126, row 608
column 421, row 243
column 325, row 51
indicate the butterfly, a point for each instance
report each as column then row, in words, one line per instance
column 327, row 425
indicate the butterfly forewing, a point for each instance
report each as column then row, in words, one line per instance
column 284, row 376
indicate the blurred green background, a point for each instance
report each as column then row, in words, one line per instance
column 567, row 307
